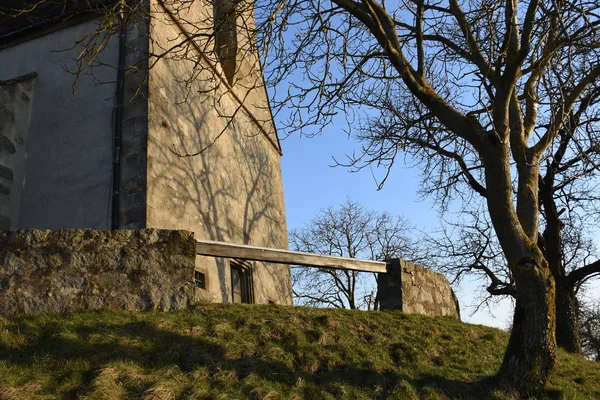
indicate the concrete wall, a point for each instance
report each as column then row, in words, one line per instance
column 415, row 289
column 68, row 270
column 66, row 173
column 213, row 166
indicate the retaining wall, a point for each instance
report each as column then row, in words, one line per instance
column 415, row 289
column 72, row 269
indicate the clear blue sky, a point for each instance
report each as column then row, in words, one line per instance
column 310, row 184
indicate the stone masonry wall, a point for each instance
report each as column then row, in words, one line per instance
column 415, row 289
column 71, row 269
column 427, row 292
column 134, row 141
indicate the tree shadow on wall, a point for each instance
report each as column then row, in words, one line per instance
column 211, row 170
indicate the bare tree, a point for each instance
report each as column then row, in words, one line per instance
column 480, row 92
column 589, row 325
column 349, row 230
column 468, row 246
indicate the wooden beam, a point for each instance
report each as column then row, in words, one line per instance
column 279, row 256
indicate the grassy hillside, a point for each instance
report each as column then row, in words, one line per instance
column 256, row 352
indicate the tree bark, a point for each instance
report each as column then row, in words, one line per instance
column 567, row 317
column 567, row 307
column 530, row 355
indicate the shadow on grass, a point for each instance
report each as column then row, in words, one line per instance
column 152, row 348
column 486, row 388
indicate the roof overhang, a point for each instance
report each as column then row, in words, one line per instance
column 21, row 19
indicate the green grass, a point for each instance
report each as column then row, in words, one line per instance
column 262, row 352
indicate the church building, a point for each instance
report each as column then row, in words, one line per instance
column 143, row 114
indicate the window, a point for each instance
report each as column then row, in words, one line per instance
column 226, row 36
column 242, row 288
column 200, row 279
column 16, row 97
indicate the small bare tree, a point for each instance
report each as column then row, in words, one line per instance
column 589, row 328
column 349, row 230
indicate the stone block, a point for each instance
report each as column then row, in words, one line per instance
column 136, row 108
column 389, row 287
column 6, row 146
column 132, row 215
column 136, row 125
column 71, row 269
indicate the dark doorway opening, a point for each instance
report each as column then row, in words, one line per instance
column 242, row 287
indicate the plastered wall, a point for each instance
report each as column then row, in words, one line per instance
column 63, row 166
column 213, row 165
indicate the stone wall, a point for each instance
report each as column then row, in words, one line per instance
column 133, row 151
column 71, row 269
column 427, row 292
column 415, row 289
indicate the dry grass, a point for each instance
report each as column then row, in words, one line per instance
column 262, row 352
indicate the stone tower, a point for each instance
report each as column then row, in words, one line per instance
column 168, row 127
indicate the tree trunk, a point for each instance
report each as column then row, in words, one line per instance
column 567, row 307
column 567, row 317
column 530, row 355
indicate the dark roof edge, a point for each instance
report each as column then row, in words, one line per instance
column 52, row 24
column 18, row 79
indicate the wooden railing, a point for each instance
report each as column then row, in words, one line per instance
column 254, row 253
